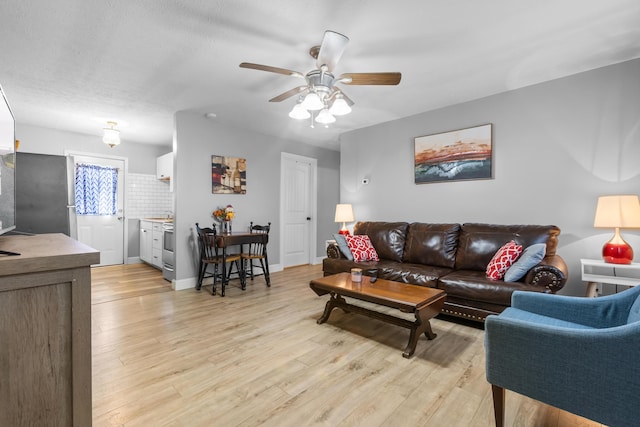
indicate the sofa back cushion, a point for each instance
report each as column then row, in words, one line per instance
column 432, row 244
column 388, row 238
column 478, row 243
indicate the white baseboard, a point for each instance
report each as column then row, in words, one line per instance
column 182, row 284
column 190, row 282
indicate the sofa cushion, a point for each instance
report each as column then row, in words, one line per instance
column 531, row 256
column 479, row 242
column 503, row 259
column 432, row 244
column 361, row 248
column 388, row 238
column 342, row 265
column 473, row 285
column 342, row 245
column 415, row 274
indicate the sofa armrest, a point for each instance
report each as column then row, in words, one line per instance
column 550, row 273
column 333, row 251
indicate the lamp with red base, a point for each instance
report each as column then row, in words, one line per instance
column 344, row 214
column 617, row 212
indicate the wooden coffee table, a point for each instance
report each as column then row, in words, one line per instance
column 425, row 302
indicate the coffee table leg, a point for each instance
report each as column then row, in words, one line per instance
column 334, row 301
column 421, row 325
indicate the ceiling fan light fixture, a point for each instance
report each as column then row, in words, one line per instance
column 111, row 135
column 299, row 113
column 340, row 107
column 325, row 117
column 312, row 102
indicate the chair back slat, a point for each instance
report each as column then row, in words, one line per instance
column 207, row 239
column 258, row 248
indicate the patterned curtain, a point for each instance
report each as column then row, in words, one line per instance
column 96, row 190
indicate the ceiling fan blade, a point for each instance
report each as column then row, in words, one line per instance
column 331, row 49
column 289, row 93
column 370, row 78
column 271, row 69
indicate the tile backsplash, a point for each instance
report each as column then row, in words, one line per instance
column 148, row 197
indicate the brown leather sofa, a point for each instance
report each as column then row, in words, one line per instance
column 454, row 257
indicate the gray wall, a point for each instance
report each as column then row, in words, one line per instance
column 557, row 147
column 142, row 157
column 197, row 138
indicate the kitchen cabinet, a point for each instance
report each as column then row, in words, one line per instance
column 164, row 167
column 146, row 241
column 151, row 242
column 45, row 325
column 156, row 245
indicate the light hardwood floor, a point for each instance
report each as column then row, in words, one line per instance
column 257, row 357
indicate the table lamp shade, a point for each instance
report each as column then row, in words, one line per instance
column 622, row 211
column 344, row 214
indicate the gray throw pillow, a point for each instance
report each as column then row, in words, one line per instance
column 529, row 258
column 342, row 244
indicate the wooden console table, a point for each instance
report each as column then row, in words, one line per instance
column 424, row 302
column 45, row 331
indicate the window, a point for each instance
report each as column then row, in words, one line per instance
column 96, row 190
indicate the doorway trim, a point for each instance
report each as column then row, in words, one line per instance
column 71, row 197
column 313, row 202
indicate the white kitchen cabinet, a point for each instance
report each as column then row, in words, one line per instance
column 146, row 241
column 156, row 245
column 164, row 166
column 151, row 242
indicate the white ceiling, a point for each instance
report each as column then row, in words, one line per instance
column 74, row 64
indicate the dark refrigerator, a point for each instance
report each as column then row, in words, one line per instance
column 41, row 194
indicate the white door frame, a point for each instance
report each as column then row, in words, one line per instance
column 313, row 201
column 71, row 196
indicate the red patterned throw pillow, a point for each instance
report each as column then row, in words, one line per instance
column 503, row 259
column 361, row 248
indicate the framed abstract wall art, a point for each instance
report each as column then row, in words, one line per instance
column 455, row 155
column 228, row 175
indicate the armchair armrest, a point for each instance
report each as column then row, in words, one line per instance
column 550, row 273
column 602, row 312
column 589, row 372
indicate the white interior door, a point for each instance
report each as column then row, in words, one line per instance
column 298, row 195
column 102, row 232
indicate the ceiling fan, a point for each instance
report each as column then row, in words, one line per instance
column 320, row 93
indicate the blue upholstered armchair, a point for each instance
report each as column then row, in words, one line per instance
column 581, row 355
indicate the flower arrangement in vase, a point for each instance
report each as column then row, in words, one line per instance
column 224, row 215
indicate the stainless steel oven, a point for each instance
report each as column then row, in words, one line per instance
column 168, row 258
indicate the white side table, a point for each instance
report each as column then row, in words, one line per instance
column 596, row 271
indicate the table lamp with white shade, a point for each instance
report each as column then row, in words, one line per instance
column 619, row 211
column 344, row 214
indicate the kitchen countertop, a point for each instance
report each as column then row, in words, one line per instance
column 157, row 219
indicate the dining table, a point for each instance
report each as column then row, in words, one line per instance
column 226, row 240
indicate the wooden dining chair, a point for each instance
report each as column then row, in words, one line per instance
column 257, row 252
column 209, row 255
